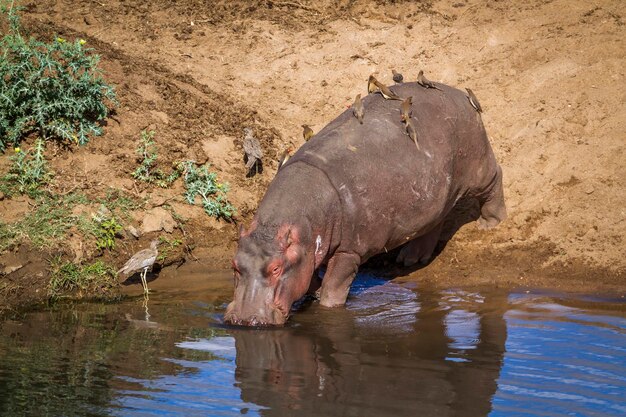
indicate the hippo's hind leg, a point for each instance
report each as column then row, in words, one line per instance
column 420, row 249
column 339, row 275
column 492, row 207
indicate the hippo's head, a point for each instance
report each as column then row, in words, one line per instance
column 273, row 268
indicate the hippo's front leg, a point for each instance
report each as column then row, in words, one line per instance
column 339, row 275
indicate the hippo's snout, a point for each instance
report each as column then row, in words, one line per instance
column 264, row 316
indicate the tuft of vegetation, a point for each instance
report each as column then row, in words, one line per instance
column 105, row 233
column 45, row 225
column 200, row 182
column 166, row 246
column 147, row 170
column 28, row 172
column 67, row 277
column 55, row 89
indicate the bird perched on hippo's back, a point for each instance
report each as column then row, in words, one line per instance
column 307, row 132
column 357, row 108
column 253, row 153
column 397, row 77
column 373, row 85
column 425, row 82
column 474, row 101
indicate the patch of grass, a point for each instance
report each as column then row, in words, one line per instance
column 67, row 277
column 200, row 182
column 28, row 172
column 55, row 89
column 44, row 226
column 147, row 170
column 121, row 203
column 166, row 246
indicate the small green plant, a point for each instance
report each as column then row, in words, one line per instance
column 46, row 224
column 68, row 277
column 147, row 170
column 200, row 182
column 105, row 233
column 166, row 246
column 29, row 170
column 55, row 89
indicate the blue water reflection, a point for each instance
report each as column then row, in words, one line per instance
column 394, row 350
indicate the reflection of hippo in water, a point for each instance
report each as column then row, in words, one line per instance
column 357, row 190
column 335, row 364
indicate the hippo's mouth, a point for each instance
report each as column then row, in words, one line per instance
column 274, row 317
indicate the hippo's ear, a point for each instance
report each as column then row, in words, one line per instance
column 285, row 240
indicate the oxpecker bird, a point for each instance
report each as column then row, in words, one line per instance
column 425, row 82
column 357, row 108
column 307, row 132
column 474, row 101
column 373, row 84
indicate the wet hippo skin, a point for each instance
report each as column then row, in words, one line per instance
column 356, row 190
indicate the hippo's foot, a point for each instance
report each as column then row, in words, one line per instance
column 493, row 209
column 420, row 249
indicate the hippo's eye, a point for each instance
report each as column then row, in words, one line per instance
column 275, row 270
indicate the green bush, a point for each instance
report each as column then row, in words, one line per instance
column 105, row 233
column 54, row 89
column 28, row 172
column 201, row 182
column 147, row 171
column 67, row 277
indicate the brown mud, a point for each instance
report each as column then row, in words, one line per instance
column 549, row 76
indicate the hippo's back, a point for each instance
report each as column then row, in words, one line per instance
column 390, row 190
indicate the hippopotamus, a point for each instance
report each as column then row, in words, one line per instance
column 357, row 190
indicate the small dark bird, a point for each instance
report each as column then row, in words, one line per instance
column 397, row 77
column 284, row 157
column 474, row 101
column 141, row 261
column 307, row 132
column 425, row 82
column 373, row 84
column 411, row 131
column 405, row 109
column 252, row 150
column 357, row 108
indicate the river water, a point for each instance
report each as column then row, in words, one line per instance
column 394, row 350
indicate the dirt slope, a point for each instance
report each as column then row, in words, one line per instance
column 549, row 74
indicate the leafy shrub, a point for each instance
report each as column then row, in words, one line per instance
column 29, row 171
column 55, row 89
column 147, row 171
column 201, row 182
column 68, row 277
column 105, row 233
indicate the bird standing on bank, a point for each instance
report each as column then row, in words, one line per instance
column 253, row 151
column 141, row 261
column 474, row 101
column 357, row 108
